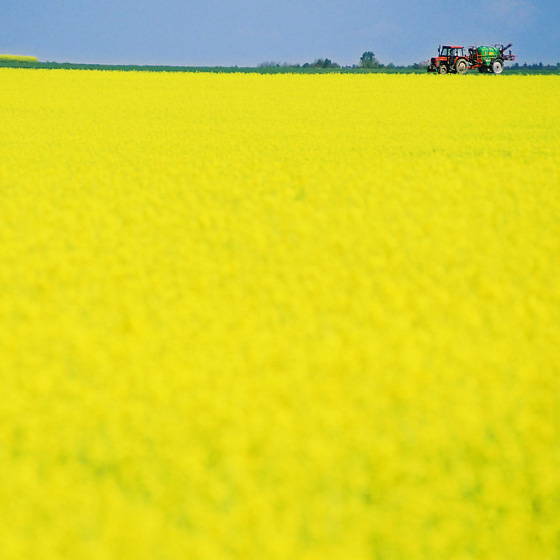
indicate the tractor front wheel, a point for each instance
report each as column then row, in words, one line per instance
column 498, row 66
column 443, row 69
column 462, row 66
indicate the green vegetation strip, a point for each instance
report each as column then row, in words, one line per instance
column 11, row 61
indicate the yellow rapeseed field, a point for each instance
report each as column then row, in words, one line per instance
column 273, row 317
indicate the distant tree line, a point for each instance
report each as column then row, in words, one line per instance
column 368, row 61
column 536, row 67
column 318, row 63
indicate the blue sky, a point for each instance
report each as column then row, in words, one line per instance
column 246, row 32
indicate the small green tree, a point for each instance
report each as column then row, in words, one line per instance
column 368, row 60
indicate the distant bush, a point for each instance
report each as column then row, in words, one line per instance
column 321, row 63
column 17, row 58
column 271, row 64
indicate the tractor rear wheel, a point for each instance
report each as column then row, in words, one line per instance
column 461, row 66
column 498, row 66
column 443, row 69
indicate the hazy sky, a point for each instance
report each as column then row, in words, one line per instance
column 246, row 32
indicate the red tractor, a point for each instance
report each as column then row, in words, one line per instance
column 486, row 59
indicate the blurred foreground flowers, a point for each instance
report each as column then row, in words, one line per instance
column 279, row 317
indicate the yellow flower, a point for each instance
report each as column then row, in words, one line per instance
column 278, row 316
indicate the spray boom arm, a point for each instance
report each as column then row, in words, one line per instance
column 503, row 49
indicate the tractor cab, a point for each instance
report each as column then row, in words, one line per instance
column 449, row 55
column 446, row 59
column 453, row 52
